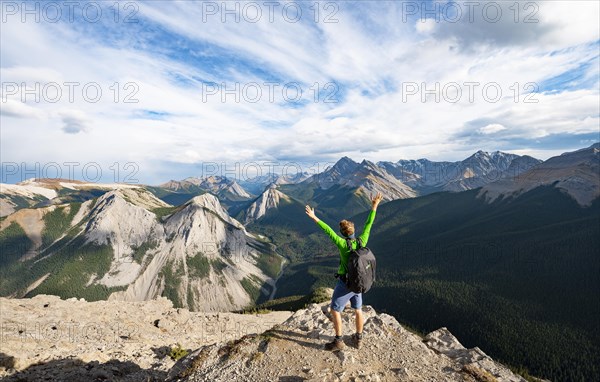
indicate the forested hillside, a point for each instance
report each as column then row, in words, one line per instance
column 517, row 277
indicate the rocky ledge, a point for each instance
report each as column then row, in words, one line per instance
column 293, row 351
column 46, row 338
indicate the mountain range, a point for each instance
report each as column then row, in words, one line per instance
column 446, row 229
column 396, row 180
column 479, row 169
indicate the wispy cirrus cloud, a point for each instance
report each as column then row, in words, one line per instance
column 401, row 82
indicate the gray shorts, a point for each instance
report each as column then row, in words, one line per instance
column 341, row 296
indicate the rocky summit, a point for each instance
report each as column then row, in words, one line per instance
column 48, row 339
column 293, row 351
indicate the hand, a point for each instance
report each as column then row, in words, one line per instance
column 376, row 200
column 311, row 213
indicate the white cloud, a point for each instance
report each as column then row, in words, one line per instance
column 74, row 121
column 491, row 128
column 17, row 109
column 425, row 26
column 368, row 52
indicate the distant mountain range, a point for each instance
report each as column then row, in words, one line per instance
column 576, row 173
column 258, row 184
column 396, row 180
column 481, row 168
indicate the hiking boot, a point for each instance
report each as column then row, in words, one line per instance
column 335, row 345
column 326, row 309
column 357, row 340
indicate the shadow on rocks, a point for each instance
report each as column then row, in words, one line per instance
column 7, row 361
column 161, row 352
column 288, row 335
column 75, row 370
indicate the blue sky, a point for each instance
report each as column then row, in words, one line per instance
column 521, row 79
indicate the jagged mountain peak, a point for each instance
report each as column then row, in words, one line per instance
column 212, row 203
column 344, row 165
column 205, row 200
column 368, row 164
column 494, row 156
column 269, row 199
column 346, row 159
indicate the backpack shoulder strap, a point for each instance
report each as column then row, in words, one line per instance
column 349, row 243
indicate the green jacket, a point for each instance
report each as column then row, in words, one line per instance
column 340, row 241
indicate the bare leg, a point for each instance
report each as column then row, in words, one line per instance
column 337, row 322
column 358, row 317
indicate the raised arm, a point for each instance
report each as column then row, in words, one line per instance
column 364, row 236
column 339, row 241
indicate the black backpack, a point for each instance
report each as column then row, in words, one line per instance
column 361, row 268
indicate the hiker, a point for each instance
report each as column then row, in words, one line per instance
column 341, row 293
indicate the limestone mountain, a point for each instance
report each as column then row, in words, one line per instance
column 271, row 198
column 130, row 245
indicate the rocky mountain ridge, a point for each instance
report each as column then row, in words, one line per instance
column 475, row 171
column 577, row 173
column 177, row 192
column 363, row 179
column 214, row 184
column 45, row 191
